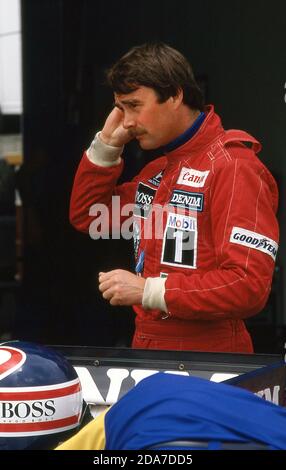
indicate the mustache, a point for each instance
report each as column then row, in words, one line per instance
column 136, row 132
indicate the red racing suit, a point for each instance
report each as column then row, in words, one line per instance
column 219, row 201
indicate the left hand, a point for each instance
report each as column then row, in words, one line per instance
column 121, row 287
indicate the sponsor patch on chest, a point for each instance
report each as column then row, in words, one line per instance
column 259, row 242
column 180, row 241
column 193, row 178
column 156, row 180
column 143, row 200
column 190, row 201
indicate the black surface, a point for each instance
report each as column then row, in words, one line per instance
column 108, row 373
column 138, row 357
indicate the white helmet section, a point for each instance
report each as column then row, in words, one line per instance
column 40, row 392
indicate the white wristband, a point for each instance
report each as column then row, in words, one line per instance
column 103, row 154
column 153, row 295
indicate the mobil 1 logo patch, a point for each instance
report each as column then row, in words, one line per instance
column 259, row 242
column 180, row 241
column 143, row 200
column 186, row 200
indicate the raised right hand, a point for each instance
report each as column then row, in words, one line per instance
column 113, row 132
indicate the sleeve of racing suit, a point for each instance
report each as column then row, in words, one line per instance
column 95, row 185
column 244, row 198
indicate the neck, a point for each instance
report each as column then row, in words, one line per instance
column 189, row 129
column 188, row 117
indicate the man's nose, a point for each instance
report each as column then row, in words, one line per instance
column 128, row 121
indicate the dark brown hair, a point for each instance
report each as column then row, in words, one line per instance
column 156, row 66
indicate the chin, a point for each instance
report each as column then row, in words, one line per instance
column 148, row 145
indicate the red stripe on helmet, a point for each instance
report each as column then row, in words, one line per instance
column 40, row 426
column 40, row 394
column 14, row 360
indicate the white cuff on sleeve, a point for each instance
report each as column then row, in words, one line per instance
column 102, row 154
column 153, row 295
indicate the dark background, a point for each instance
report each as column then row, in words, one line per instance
column 238, row 52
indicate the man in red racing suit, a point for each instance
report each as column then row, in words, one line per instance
column 204, row 225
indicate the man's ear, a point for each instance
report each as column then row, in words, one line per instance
column 178, row 98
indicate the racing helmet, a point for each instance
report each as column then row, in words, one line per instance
column 41, row 400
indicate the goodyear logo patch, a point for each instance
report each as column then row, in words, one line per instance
column 190, row 201
column 259, row 242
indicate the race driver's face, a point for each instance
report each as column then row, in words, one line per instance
column 152, row 123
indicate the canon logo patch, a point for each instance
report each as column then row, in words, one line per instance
column 193, row 178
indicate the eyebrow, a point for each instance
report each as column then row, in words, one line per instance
column 127, row 101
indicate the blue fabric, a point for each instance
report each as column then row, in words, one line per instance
column 167, row 407
column 140, row 263
column 187, row 135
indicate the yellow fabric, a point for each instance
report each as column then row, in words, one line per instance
column 91, row 437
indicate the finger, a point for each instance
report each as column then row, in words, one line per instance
column 103, row 286
column 102, row 277
column 117, row 113
column 105, row 276
column 108, row 294
column 115, row 300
